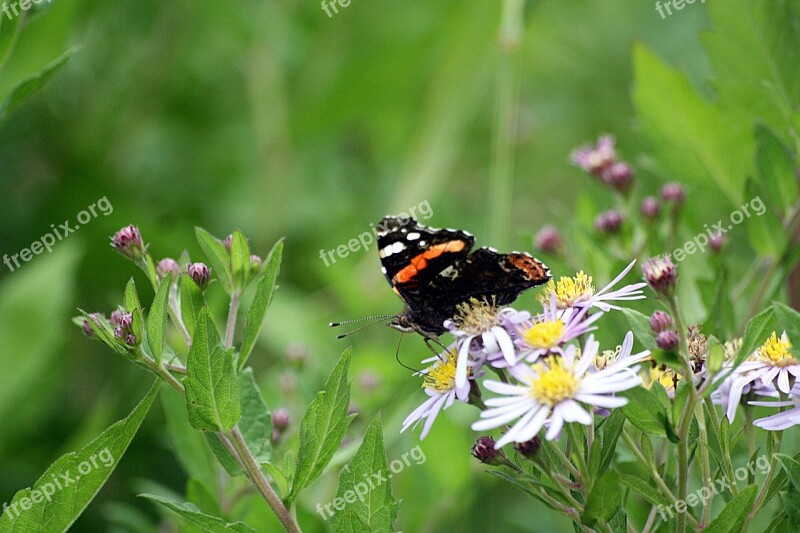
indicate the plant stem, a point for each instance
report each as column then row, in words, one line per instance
column 255, row 474
column 767, row 482
column 233, row 310
column 566, row 462
column 501, row 171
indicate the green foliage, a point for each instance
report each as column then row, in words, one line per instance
column 157, row 319
column 256, row 422
column 191, row 514
column 265, row 287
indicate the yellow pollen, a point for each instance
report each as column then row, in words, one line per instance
column 568, row 291
column 441, row 375
column 775, row 351
column 544, row 334
column 476, row 316
column 664, row 375
column 554, row 383
column 608, row 357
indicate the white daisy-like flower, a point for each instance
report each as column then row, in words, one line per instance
column 439, row 384
column 550, row 331
column 784, row 419
column 478, row 332
column 549, row 392
column 772, row 364
column 578, row 291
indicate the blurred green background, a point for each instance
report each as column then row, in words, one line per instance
column 276, row 119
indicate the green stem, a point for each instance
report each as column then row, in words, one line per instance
column 564, row 460
column 233, row 310
column 501, row 171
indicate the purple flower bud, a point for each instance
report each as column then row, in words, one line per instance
column 608, row 221
column 369, row 381
column 595, row 159
column 529, row 448
column 130, row 340
column 673, row 193
column 667, row 340
column 128, row 242
column 660, row 321
column 119, row 333
column 548, row 239
column 126, row 321
column 87, row 326
column 650, row 207
column 228, row 242
column 352, row 409
column 200, row 273
column 619, row 176
column 167, row 265
column 255, row 261
column 716, row 242
column 661, row 274
column 483, row 450
column 116, row 316
column 280, row 419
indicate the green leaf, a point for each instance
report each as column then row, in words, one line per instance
column 643, row 488
column 104, row 331
column 733, row 515
column 716, row 355
column 645, row 411
column 776, row 169
column 191, row 514
column 640, row 325
column 789, row 320
column 351, row 523
column 278, row 477
column 131, row 297
column 240, row 259
column 765, row 231
column 256, row 422
column 9, row 33
column 191, row 302
column 323, row 427
column 374, row 505
column 690, row 137
column 217, row 257
column 33, row 84
column 223, row 455
column 212, row 386
column 80, row 475
column 611, row 431
column 604, row 499
column 265, row 287
column 756, row 332
column 157, row 318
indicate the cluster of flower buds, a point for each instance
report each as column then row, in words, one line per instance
column 88, row 330
column 663, row 326
column 122, row 322
column 601, row 160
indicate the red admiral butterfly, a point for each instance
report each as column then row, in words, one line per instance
column 433, row 271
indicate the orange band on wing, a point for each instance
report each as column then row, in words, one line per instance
column 421, row 261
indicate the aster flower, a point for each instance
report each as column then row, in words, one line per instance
column 771, row 366
column 477, row 330
column 784, row 419
column 664, row 375
column 595, row 158
column 439, row 383
column 579, row 291
column 549, row 392
column 661, row 274
column 620, row 357
column 548, row 332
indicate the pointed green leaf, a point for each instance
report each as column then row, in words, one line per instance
column 323, row 427
column 240, row 259
column 104, row 332
column 212, row 386
column 788, row 320
column 374, row 506
column 50, row 507
column 643, row 488
column 131, row 297
column 282, row 484
column 733, row 515
column 351, row 523
column 604, row 500
column 34, row 83
column 157, row 318
column 256, row 422
column 776, row 169
column 191, row 302
column 640, row 325
column 9, row 33
column 756, row 332
column 611, row 431
column 645, row 411
column 265, row 287
column 192, row 515
column 217, row 257
column 223, row 455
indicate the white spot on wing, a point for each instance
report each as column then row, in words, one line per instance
column 413, row 236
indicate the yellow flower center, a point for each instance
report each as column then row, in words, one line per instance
column 568, row 291
column 664, row 375
column 775, row 351
column 476, row 316
column 441, row 375
column 608, row 357
column 554, row 383
column 544, row 334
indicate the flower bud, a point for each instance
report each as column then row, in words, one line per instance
column 228, row 242
column 595, row 159
column 716, row 242
column 126, row 321
column 529, row 448
column 660, row 321
column 548, row 239
column 673, row 193
column 650, row 207
column 667, row 340
column 166, row 266
column 297, row 353
column 619, row 176
column 200, row 273
column 131, row 340
column 608, row 221
column 128, row 242
column 116, row 316
column 280, row 419
column 255, row 262
column 661, row 274
column 484, row 451
column 87, row 326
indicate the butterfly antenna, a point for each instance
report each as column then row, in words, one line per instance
column 397, row 355
column 375, row 320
